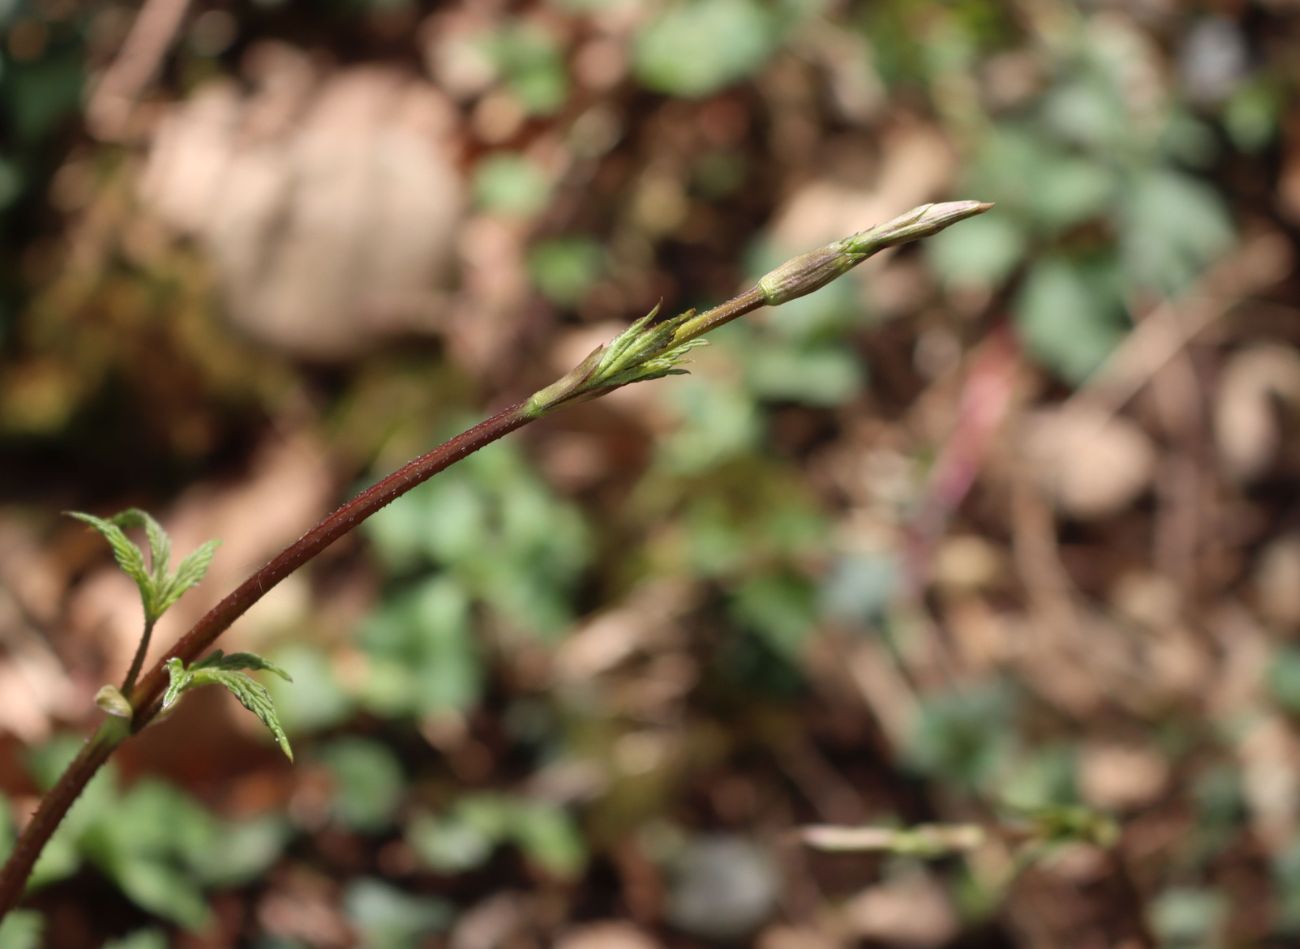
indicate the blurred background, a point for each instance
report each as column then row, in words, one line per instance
column 1000, row 532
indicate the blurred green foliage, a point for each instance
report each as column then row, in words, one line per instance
column 697, row 47
column 1098, row 203
column 466, row 835
column 528, row 63
column 368, row 782
column 510, row 184
column 159, row 846
column 488, row 532
column 386, row 916
column 564, row 268
column 1108, row 199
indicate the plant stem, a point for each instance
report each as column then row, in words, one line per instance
column 137, row 661
column 645, row 351
column 147, row 698
column 54, row 806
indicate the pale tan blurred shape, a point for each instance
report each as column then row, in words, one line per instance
column 909, row 910
column 328, row 203
column 1091, row 465
column 1116, row 776
column 606, row 935
column 1256, row 383
column 34, row 687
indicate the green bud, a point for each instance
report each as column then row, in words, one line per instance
column 111, row 700
column 803, row 274
column 913, row 225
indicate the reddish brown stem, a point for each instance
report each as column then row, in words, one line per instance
column 146, row 696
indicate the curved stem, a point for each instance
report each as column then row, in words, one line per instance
column 137, row 661
column 53, row 807
column 654, row 351
column 148, row 694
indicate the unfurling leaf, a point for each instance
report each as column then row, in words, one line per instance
column 128, row 556
column 223, row 670
column 188, row 574
column 240, row 660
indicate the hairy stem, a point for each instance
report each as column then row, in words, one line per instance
column 645, row 351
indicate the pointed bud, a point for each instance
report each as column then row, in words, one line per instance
column 919, row 222
column 812, row 271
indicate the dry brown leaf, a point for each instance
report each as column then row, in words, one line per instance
column 326, row 203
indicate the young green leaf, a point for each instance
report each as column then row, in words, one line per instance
column 159, row 590
column 219, row 669
column 240, row 660
column 188, row 574
column 128, row 556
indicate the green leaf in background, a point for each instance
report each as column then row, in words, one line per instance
column 140, row 939
column 1286, row 884
column 1172, row 227
column 1189, row 917
column 719, row 422
column 510, row 184
column 159, row 888
column 44, row 92
column 1068, row 316
column 465, row 837
column 1284, row 679
column 565, row 268
column 504, row 540
column 981, row 253
column 389, row 918
column 1089, row 111
column 733, row 529
column 548, row 837
column 156, row 843
column 424, row 658
column 780, row 609
column 860, row 587
column 449, row 845
column 11, row 182
column 8, row 833
column 316, row 701
column 811, row 375
column 1069, row 190
column 1251, row 115
column 696, row 47
column 531, row 64
column 240, row 851
column 1040, row 780
column 368, row 782
column 22, row 929
column 964, row 737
